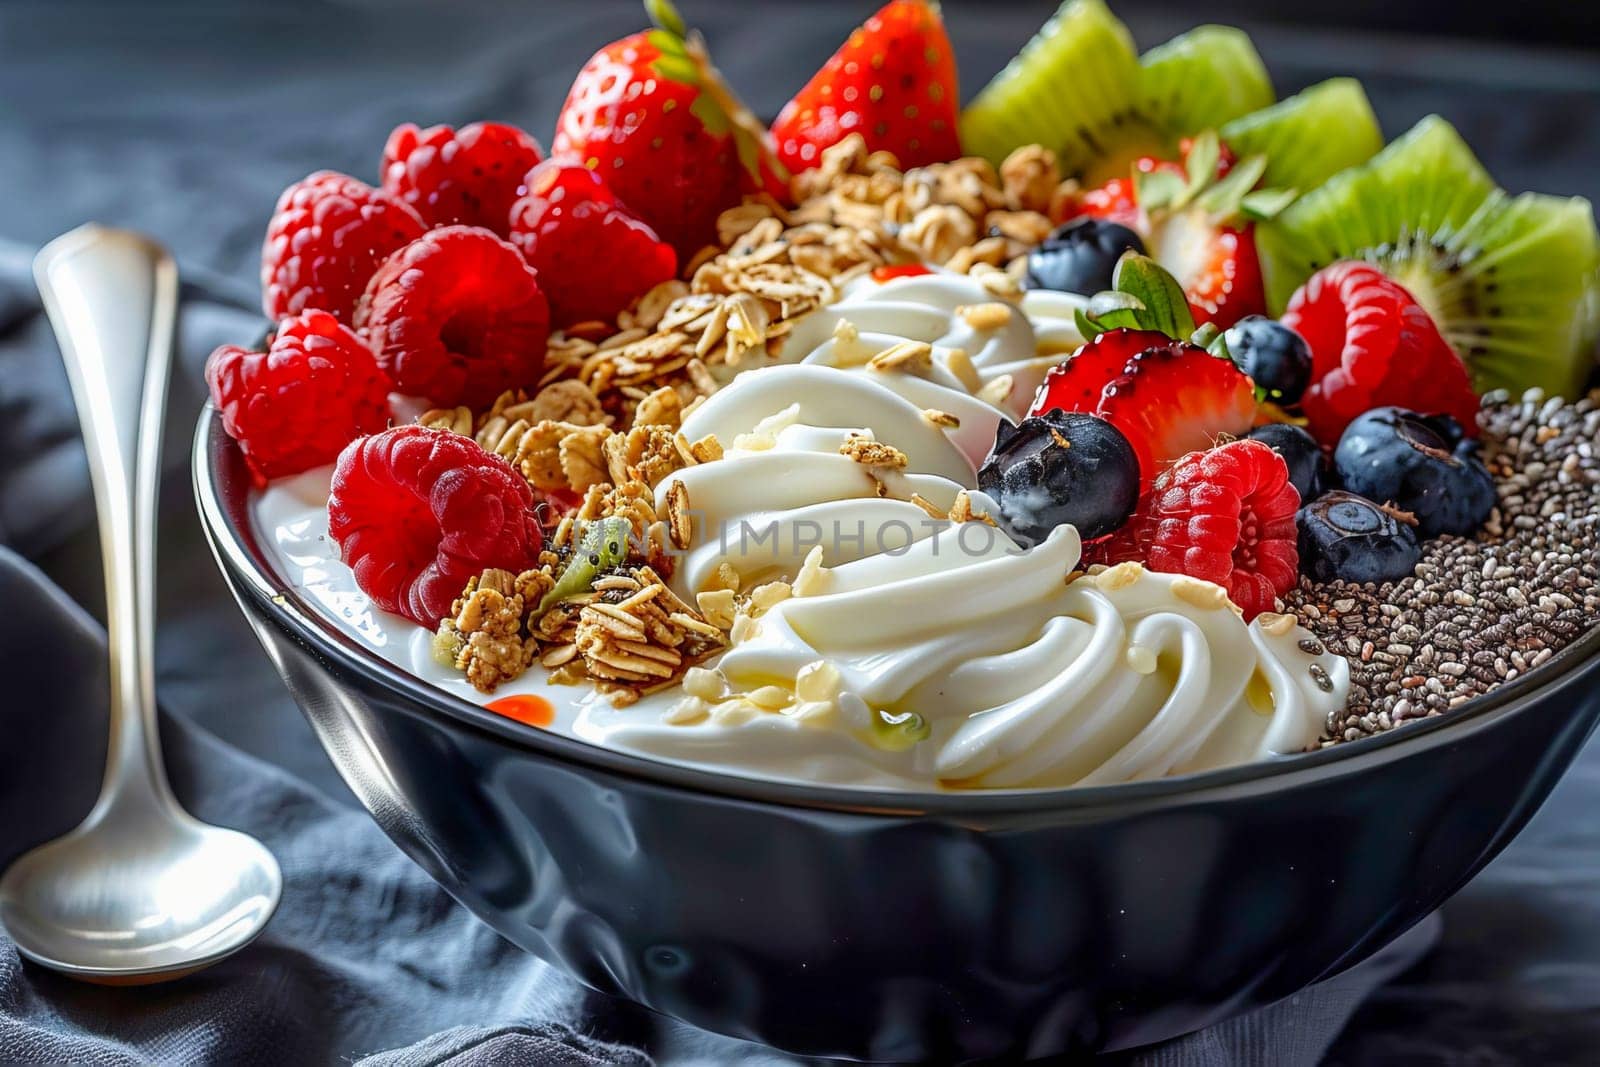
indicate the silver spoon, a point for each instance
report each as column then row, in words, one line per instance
column 141, row 891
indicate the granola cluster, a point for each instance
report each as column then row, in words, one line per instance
column 856, row 211
column 629, row 634
column 627, row 631
column 602, row 426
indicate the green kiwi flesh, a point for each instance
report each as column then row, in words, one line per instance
column 1202, row 79
column 1309, row 137
column 1079, row 88
column 1507, row 278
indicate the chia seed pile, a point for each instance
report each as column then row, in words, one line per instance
column 1478, row 611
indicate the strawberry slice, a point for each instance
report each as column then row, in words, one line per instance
column 1118, row 199
column 893, row 81
column 1169, row 398
column 652, row 115
column 1115, row 201
column 1206, row 246
column 1216, row 264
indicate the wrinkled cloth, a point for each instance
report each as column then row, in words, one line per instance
column 185, row 118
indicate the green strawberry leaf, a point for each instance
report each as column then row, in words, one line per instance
column 1215, row 342
column 1222, row 199
column 674, row 63
column 1265, row 204
column 1205, row 335
column 1158, row 190
column 1201, row 166
column 1112, row 300
column 710, row 113
column 664, row 15
column 678, row 64
column 1165, row 307
column 1211, row 338
column 1109, row 311
column 1088, row 329
column 686, row 61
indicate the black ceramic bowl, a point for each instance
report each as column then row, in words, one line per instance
column 904, row 926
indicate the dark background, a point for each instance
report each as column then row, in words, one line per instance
column 185, row 119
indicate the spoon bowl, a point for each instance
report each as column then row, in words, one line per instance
column 138, row 898
column 141, row 891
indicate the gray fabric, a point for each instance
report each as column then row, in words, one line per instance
column 185, row 118
column 365, row 950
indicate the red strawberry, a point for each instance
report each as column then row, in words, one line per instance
column 890, row 271
column 1210, row 252
column 468, row 176
column 593, row 255
column 653, row 117
column 1167, row 397
column 1118, row 199
column 1226, row 516
column 1216, row 264
column 1115, row 201
column 1373, row 345
column 893, row 81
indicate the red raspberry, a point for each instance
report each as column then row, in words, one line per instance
column 593, row 255
column 456, row 317
column 327, row 236
column 418, row 511
column 294, row 406
column 1225, row 516
column 469, row 176
column 1373, row 345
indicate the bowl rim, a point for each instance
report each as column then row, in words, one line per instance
column 235, row 549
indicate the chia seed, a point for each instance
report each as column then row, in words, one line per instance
column 1320, row 676
column 1492, row 606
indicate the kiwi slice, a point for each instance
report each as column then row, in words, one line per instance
column 1080, row 88
column 603, row 545
column 1073, row 80
column 1589, row 336
column 1201, row 79
column 1310, row 136
column 1507, row 278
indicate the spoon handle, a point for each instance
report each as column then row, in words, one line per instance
column 112, row 298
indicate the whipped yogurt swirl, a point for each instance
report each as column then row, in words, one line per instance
column 978, row 362
column 1016, row 672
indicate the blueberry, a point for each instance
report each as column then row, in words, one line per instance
column 1080, row 256
column 1061, row 467
column 1277, row 359
column 1420, row 463
column 1348, row 537
column 1308, row 467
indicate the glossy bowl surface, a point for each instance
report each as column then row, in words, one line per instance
column 901, row 926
